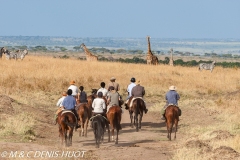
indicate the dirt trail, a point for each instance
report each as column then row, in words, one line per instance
column 149, row 143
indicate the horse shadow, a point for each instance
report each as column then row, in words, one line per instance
column 133, row 143
column 122, row 144
column 146, row 126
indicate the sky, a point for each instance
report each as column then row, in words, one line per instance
column 181, row 19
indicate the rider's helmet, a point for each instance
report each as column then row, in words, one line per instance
column 133, row 79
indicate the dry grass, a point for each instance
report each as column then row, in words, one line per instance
column 42, row 79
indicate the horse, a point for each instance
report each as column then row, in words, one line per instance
column 114, row 116
column 137, row 108
column 67, row 121
column 98, row 125
column 172, row 118
column 84, row 113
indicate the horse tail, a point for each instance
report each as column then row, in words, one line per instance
column 117, row 120
column 66, row 121
column 97, row 127
column 137, row 107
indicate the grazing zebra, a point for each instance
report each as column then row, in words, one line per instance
column 206, row 66
column 2, row 51
column 21, row 54
column 16, row 55
column 10, row 55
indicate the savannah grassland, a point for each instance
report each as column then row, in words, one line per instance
column 39, row 80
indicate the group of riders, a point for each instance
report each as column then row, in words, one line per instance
column 106, row 98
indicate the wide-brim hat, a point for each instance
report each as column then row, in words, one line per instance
column 72, row 82
column 112, row 78
column 138, row 82
column 64, row 93
column 173, row 88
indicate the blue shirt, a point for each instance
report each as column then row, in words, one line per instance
column 69, row 102
column 172, row 97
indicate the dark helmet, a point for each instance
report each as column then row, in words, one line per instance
column 133, row 79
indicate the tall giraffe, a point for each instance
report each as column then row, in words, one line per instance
column 151, row 59
column 171, row 58
column 89, row 55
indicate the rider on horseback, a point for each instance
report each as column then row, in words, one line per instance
column 113, row 98
column 138, row 91
column 99, row 106
column 103, row 89
column 82, row 96
column 172, row 98
column 59, row 104
column 69, row 103
column 129, row 90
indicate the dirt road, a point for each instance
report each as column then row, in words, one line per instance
column 149, row 143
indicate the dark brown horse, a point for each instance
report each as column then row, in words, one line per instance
column 137, row 108
column 98, row 124
column 172, row 118
column 67, row 121
column 84, row 113
column 114, row 116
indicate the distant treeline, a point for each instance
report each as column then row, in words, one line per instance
column 178, row 62
column 103, row 50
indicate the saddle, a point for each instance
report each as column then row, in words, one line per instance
column 96, row 116
column 170, row 104
column 130, row 106
column 66, row 111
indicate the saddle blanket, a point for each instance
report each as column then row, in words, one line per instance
column 96, row 116
column 130, row 106
column 109, row 106
column 66, row 111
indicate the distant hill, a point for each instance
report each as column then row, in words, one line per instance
column 198, row 46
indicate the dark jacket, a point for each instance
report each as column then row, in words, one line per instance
column 138, row 91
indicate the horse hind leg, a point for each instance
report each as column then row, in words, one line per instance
column 116, row 141
column 108, row 130
column 136, row 119
column 85, row 127
column 176, row 127
column 131, row 118
column 140, row 121
column 112, row 134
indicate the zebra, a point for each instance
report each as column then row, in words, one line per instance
column 16, row 55
column 21, row 54
column 2, row 51
column 10, row 55
column 206, row 66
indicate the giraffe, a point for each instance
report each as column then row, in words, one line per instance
column 171, row 58
column 89, row 55
column 151, row 59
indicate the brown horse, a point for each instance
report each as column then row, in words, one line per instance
column 137, row 108
column 114, row 116
column 67, row 121
column 84, row 113
column 172, row 118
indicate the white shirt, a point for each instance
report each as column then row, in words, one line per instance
column 59, row 103
column 129, row 89
column 103, row 90
column 74, row 90
column 98, row 105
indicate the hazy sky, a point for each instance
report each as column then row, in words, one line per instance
column 121, row 18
